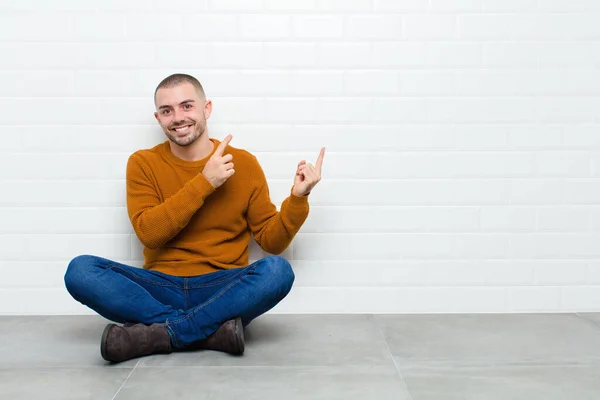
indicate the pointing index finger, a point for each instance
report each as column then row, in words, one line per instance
column 223, row 145
column 319, row 162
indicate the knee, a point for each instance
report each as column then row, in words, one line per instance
column 279, row 270
column 78, row 273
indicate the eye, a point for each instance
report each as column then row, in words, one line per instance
column 187, row 106
column 165, row 111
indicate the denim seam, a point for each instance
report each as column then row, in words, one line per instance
column 185, row 292
column 172, row 334
column 113, row 266
column 211, row 300
column 218, row 282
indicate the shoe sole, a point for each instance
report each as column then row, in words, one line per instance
column 239, row 327
column 103, row 341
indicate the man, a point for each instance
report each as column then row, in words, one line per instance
column 193, row 202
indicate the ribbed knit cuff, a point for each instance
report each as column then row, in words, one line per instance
column 298, row 201
column 202, row 185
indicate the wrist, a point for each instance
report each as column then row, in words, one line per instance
column 295, row 193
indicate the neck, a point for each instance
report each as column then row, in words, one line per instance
column 198, row 150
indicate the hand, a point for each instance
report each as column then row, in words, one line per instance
column 219, row 168
column 307, row 176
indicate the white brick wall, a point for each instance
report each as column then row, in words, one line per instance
column 463, row 163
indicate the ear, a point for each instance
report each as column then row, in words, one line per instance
column 207, row 109
column 156, row 116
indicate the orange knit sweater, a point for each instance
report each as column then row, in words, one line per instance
column 188, row 228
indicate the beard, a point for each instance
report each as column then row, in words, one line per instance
column 196, row 129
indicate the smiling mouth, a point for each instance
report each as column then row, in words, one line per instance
column 183, row 129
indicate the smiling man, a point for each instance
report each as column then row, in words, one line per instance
column 194, row 203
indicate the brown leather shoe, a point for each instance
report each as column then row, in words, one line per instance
column 229, row 338
column 121, row 343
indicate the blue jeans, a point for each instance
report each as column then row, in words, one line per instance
column 191, row 308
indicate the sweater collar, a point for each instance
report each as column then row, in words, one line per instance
column 166, row 152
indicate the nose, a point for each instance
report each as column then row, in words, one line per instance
column 178, row 116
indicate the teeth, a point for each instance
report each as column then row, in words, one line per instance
column 182, row 129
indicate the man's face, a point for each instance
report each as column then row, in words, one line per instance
column 182, row 113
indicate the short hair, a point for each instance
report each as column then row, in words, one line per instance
column 177, row 79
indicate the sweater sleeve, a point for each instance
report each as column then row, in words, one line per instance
column 156, row 222
column 273, row 231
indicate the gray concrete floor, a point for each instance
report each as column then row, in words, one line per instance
column 419, row 357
